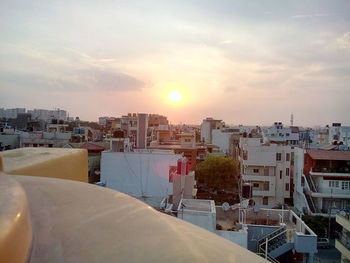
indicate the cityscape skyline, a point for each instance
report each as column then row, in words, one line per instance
column 246, row 63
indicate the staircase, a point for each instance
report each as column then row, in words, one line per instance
column 278, row 243
column 311, row 183
column 311, row 203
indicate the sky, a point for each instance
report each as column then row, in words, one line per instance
column 246, row 62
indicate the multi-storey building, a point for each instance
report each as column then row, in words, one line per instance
column 186, row 145
column 11, row 113
column 342, row 243
column 339, row 134
column 47, row 115
column 207, row 126
column 327, row 181
column 277, row 133
column 269, row 169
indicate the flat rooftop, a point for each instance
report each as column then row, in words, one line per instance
column 197, row 205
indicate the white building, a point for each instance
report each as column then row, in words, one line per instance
column 11, row 113
column 143, row 174
column 55, row 136
column 47, row 115
column 269, row 168
column 277, row 133
column 207, row 126
column 338, row 133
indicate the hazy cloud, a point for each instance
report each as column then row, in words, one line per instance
column 344, row 41
column 310, row 15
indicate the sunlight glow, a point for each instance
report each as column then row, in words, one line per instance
column 174, row 96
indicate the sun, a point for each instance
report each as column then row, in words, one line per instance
column 174, row 96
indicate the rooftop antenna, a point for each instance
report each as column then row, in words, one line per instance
column 291, row 119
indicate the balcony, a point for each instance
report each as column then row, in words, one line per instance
column 344, row 221
column 254, row 177
column 327, row 171
column 343, row 245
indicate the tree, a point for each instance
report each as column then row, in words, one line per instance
column 217, row 172
column 318, row 224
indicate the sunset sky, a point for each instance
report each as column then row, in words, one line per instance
column 249, row 62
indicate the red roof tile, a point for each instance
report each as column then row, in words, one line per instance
column 329, row 155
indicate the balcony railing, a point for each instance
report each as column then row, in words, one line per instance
column 330, row 170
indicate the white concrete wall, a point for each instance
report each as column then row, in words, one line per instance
column 222, row 139
column 138, row 174
column 206, row 220
column 206, row 132
column 240, row 238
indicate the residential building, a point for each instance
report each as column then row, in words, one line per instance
column 184, row 185
column 186, row 146
column 9, row 139
column 11, row 113
column 207, row 126
column 327, row 181
column 342, row 243
column 55, row 136
column 339, row 134
column 155, row 120
column 223, row 138
column 275, row 234
column 143, row 174
column 48, row 115
column 279, row 134
column 269, row 169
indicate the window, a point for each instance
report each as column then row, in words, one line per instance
column 278, row 156
column 287, row 171
column 255, row 170
column 287, row 187
column 292, row 159
column 345, row 185
column 287, row 157
column 255, row 185
column 333, row 184
column 281, row 174
column 265, row 200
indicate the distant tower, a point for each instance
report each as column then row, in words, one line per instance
column 291, row 119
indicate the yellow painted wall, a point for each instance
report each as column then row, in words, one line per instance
column 71, row 164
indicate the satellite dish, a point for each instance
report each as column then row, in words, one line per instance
column 342, row 213
column 225, row 206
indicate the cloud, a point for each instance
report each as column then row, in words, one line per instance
column 37, row 68
column 344, row 41
column 225, row 42
column 109, row 80
column 310, row 15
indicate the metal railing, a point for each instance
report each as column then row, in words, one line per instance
column 330, row 170
column 271, row 259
